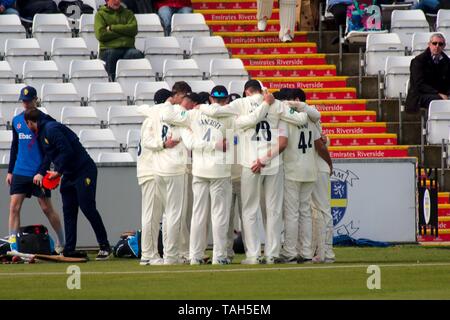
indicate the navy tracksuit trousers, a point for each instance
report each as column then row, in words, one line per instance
column 78, row 191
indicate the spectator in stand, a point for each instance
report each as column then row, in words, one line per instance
column 7, row 7
column 429, row 75
column 116, row 29
column 166, row 8
column 427, row 6
column 338, row 9
column 28, row 8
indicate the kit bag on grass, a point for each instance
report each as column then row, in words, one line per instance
column 363, row 17
column 34, row 239
column 129, row 245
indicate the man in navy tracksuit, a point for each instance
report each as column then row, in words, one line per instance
column 79, row 179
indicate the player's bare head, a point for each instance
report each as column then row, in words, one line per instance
column 31, row 117
column 219, row 94
column 252, row 87
column 297, row 95
column 190, row 100
column 179, row 90
column 204, row 97
column 161, row 96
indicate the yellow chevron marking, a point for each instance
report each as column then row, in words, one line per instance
column 366, row 136
column 367, row 148
column 272, row 45
column 444, row 194
column 256, row 34
column 444, row 206
column 277, row 56
column 276, row 68
column 302, row 79
column 354, row 124
column 444, row 219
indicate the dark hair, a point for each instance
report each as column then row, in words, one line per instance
column 162, row 95
column 181, row 87
column 32, row 115
column 234, row 96
column 253, row 85
column 204, row 97
column 297, row 94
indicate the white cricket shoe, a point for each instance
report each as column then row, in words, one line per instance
column 250, row 261
column 262, row 24
column 286, row 38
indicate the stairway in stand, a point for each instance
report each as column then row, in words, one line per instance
column 353, row 130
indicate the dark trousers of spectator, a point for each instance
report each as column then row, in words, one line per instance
column 79, row 191
column 339, row 12
column 111, row 56
column 28, row 9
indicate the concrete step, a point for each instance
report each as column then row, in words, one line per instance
column 432, row 155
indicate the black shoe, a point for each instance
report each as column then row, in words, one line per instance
column 75, row 254
column 303, row 260
column 104, row 253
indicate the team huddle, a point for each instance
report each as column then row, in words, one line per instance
column 265, row 155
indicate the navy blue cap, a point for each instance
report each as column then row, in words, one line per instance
column 219, row 92
column 28, row 93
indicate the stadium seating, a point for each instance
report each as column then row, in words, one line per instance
column 87, row 33
column 181, row 70
column 133, row 142
column 378, row 47
column 20, row 109
column 396, row 74
column 6, row 74
column 98, row 140
column 2, row 123
column 79, row 118
column 386, row 11
column 65, row 50
column 17, row 51
column 438, row 123
column 49, row 26
column 131, row 71
column 5, row 142
column 144, row 91
column 95, row 4
column 222, row 71
column 37, row 73
column 406, row 22
column 158, row 49
column 443, row 22
column 236, row 86
column 5, row 159
column 55, row 96
column 9, row 99
column 149, row 25
column 84, row 72
column 124, row 118
column 115, row 157
column 188, row 25
column 204, row 49
column 102, row 95
column 10, row 28
column 201, row 85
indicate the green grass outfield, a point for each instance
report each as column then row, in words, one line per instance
column 407, row 272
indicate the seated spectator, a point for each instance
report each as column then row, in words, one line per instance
column 7, row 7
column 430, row 76
column 166, row 8
column 116, row 29
column 28, row 8
column 427, row 6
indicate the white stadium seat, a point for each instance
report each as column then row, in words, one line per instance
column 201, row 85
column 222, row 71
column 438, row 123
column 133, row 142
column 102, row 95
column 5, row 159
column 396, row 73
column 188, row 25
column 48, row 26
column 79, row 118
column 149, row 25
column 204, row 49
column 10, row 28
column 87, row 32
column 124, row 118
column 9, row 100
column 131, row 71
column 2, row 122
column 378, row 47
column 98, row 140
column 443, row 22
column 17, row 51
column 236, row 86
column 158, row 49
column 83, row 72
column 5, row 142
column 66, row 50
column 37, row 73
column 115, row 157
column 406, row 22
column 94, row 4
column 181, row 70
column 55, row 96
column 144, row 92
column 19, row 110
column 6, row 73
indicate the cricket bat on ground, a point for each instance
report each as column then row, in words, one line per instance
column 45, row 257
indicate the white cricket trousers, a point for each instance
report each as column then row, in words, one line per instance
column 173, row 193
column 297, row 218
column 287, row 17
column 151, row 218
column 323, row 219
column 251, row 186
column 210, row 196
column 235, row 200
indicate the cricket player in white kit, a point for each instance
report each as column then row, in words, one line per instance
column 262, row 138
column 211, row 182
column 151, row 199
column 287, row 17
